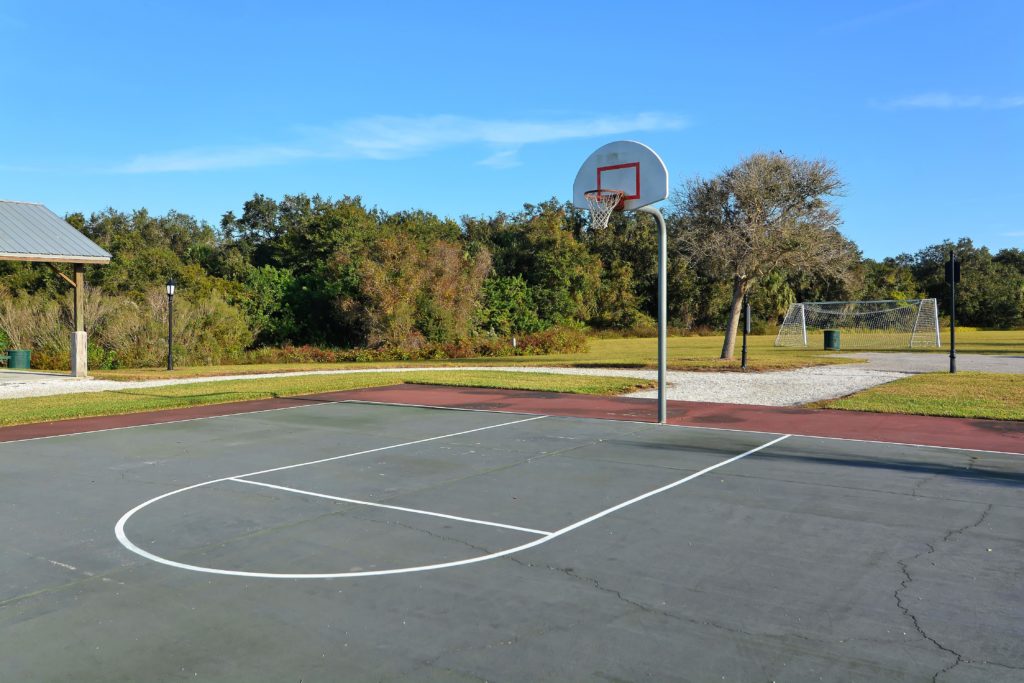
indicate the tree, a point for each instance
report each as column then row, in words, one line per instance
column 773, row 298
column 628, row 249
column 453, row 289
column 889, row 279
column 539, row 244
column 1012, row 257
column 508, row 307
column 991, row 293
column 767, row 213
column 266, row 289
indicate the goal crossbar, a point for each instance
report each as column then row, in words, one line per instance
column 879, row 324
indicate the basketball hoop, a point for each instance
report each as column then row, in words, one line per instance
column 630, row 176
column 602, row 203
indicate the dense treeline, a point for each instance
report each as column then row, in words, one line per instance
column 333, row 273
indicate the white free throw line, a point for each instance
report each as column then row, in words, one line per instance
column 119, row 531
column 390, row 507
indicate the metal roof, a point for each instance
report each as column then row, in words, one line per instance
column 31, row 232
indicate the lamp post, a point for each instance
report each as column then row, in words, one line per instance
column 170, row 324
column 952, row 277
column 746, row 329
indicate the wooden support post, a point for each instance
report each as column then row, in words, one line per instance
column 79, row 297
column 79, row 340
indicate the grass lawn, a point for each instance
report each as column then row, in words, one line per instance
column 965, row 394
column 684, row 353
column 62, row 407
column 995, row 342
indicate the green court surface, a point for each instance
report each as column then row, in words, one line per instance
column 349, row 542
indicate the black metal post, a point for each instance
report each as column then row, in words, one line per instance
column 746, row 330
column 170, row 331
column 952, row 312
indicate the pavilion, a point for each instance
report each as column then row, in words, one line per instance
column 31, row 232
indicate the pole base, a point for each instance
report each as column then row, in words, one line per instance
column 79, row 354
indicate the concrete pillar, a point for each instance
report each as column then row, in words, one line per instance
column 79, row 354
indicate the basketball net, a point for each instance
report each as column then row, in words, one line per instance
column 602, row 204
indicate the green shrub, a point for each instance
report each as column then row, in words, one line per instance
column 37, row 322
column 508, row 306
column 125, row 331
column 560, row 339
column 554, row 340
column 264, row 302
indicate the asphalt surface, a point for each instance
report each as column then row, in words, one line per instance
column 806, row 560
column 939, row 362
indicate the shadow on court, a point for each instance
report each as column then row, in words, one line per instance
column 973, row 471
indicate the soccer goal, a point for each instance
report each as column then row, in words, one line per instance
column 909, row 324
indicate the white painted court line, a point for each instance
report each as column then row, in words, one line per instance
column 391, row 507
column 119, row 531
column 123, row 538
column 667, row 487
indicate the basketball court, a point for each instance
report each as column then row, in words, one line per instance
column 341, row 538
column 416, row 533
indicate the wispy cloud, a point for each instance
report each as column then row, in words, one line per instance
column 399, row 137
column 880, row 16
column 941, row 100
column 209, row 160
column 508, row 158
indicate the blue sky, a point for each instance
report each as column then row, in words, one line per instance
column 474, row 107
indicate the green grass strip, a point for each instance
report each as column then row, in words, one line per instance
column 988, row 395
column 67, row 406
column 684, row 353
column 535, row 381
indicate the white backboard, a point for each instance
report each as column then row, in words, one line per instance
column 623, row 165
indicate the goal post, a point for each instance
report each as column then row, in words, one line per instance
column 887, row 324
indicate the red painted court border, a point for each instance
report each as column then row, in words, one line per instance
column 989, row 435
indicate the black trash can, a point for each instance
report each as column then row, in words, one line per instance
column 20, row 359
column 831, row 340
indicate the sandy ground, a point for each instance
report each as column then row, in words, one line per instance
column 784, row 388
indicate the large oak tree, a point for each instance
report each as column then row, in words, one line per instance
column 768, row 213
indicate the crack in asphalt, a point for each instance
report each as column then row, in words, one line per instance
column 576, row 576
column 907, row 579
column 442, row 537
column 922, row 482
column 571, row 573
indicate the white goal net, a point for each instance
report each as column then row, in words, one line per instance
column 909, row 324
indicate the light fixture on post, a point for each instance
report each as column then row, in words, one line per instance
column 170, row 324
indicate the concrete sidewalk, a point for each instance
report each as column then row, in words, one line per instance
column 939, row 362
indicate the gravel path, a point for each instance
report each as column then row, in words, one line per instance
column 783, row 388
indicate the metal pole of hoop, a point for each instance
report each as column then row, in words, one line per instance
column 662, row 309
